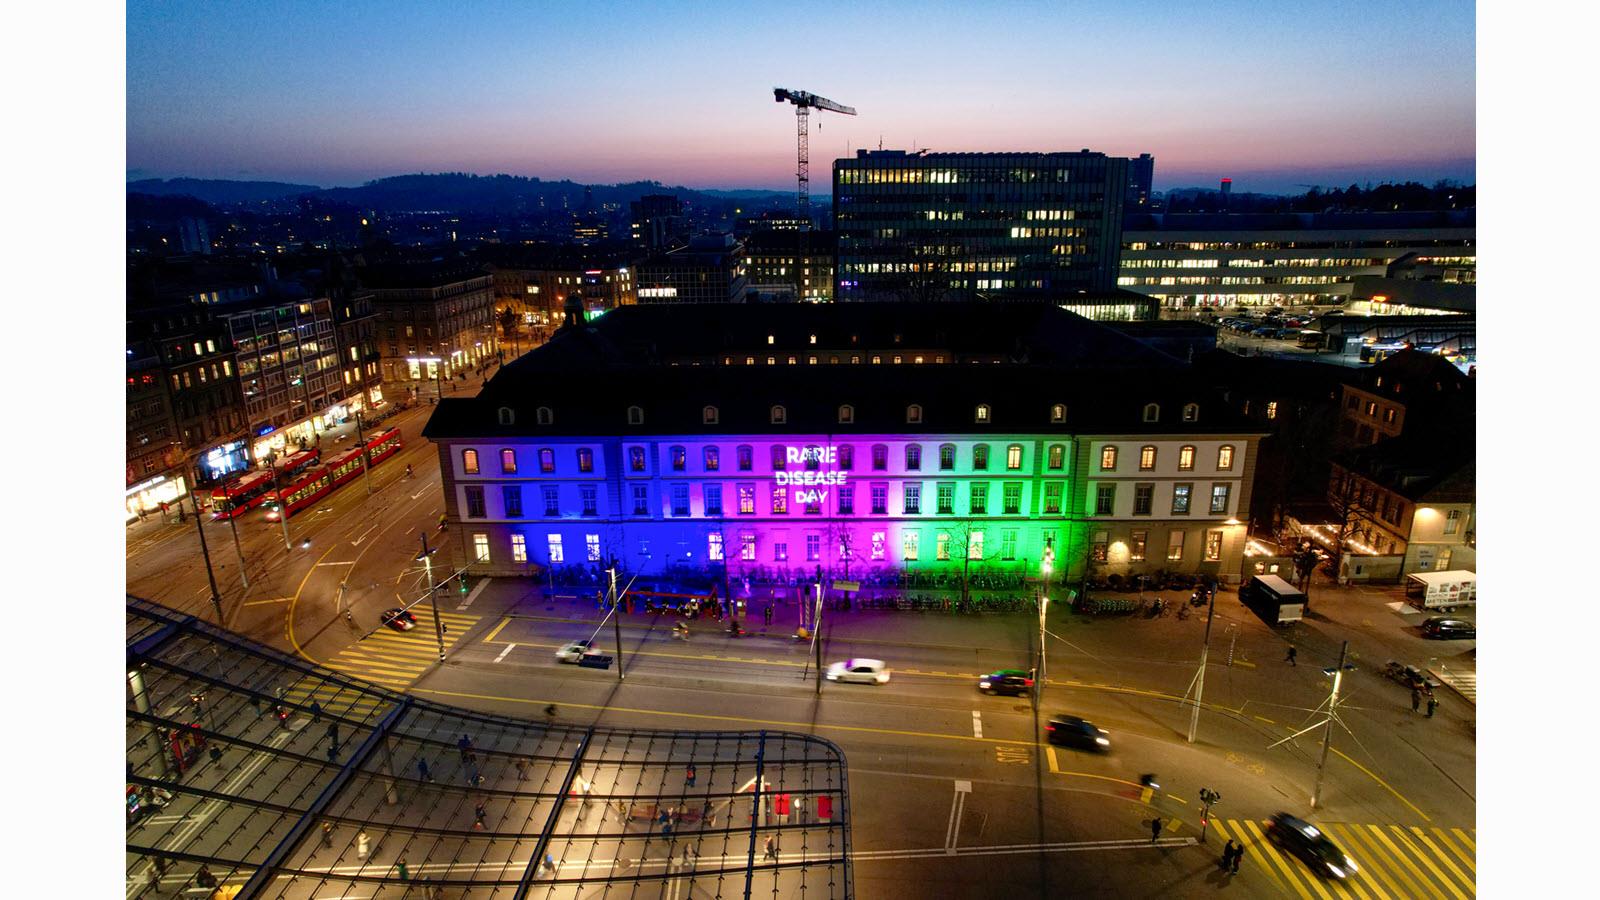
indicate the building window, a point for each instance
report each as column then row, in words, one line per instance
column 910, row 542
column 913, row 457
column 1097, row 547
column 480, row 547
column 813, row 547
column 911, row 501
column 1180, row 498
column 847, row 457
column 1353, row 402
column 1008, row 544
column 1225, row 458
column 914, row 414
column 880, row 457
column 591, row 547
column 508, row 461
column 552, row 501
column 708, row 415
column 1012, row 498
column 507, row 417
column 981, row 414
column 1058, row 414
column 1052, row 498
column 947, row 457
column 780, row 551
column 1105, row 497
column 1174, row 546
column 475, row 508
column 680, row 499
column 1272, row 409
column 747, row 547
column 469, row 462
column 980, row 457
column 636, row 459
column 641, row 500
column 712, row 457
column 813, row 507
column 511, row 496
column 941, row 550
column 1014, row 457
column 544, row 416
column 547, row 460
column 847, row 415
column 746, row 457
column 780, row 459
column 847, row 499
column 713, row 497
column 519, row 548
column 635, row 415
column 714, row 547
column 553, row 541
column 975, row 545
column 1057, row 458
column 946, row 498
column 1143, row 498
column 1219, row 498
column 1136, row 545
column 813, row 458
column 1388, row 416
column 590, row 495
column 1185, row 458
column 880, row 499
column 747, row 499
column 1152, row 412
column 1147, row 458
column 1213, row 546
column 780, row 416
column 1372, row 409
column 1191, row 411
column 780, row 501
column 585, row 459
column 1452, row 521
column 978, row 498
column 680, row 458
column 1108, row 458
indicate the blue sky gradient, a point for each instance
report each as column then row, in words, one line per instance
column 1271, row 94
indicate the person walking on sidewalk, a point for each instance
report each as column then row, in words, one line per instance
column 688, row 776
column 1233, row 864
column 522, row 769
column 479, row 814
column 400, row 864
column 361, row 845
column 1290, row 657
column 327, row 834
column 422, row 770
column 771, row 849
column 1155, row 829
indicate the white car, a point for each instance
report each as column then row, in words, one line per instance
column 865, row 671
column 572, row 651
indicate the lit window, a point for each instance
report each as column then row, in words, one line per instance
column 1014, row 456
column 1147, row 458
column 909, row 545
column 1272, row 409
column 1185, row 458
column 1136, row 544
column 1058, row 413
column 1213, row 546
column 1219, row 498
column 914, row 414
column 680, row 458
column 780, row 501
column 519, row 548
column 508, row 461
column 1174, row 545
column 553, row 541
column 1108, row 458
column 981, row 415
column 746, row 457
column 914, row 457
column 1191, row 411
column 636, row 459
column 1225, row 457
column 747, row 547
column 975, row 545
column 469, row 462
column 712, row 458
column 941, row 549
column 714, row 547
column 980, row 457
column 480, row 547
column 1180, row 498
column 585, row 459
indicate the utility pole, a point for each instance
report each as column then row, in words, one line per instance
column 1047, row 565
column 216, row 599
column 361, row 442
column 1200, row 677
column 283, row 507
column 816, row 633
column 616, row 612
column 244, row 579
column 426, row 558
column 1327, row 732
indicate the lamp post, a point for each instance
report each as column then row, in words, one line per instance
column 1333, row 710
column 1200, row 677
column 1047, row 565
column 426, row 558
column 283, row 508
column 361, row 442
column 211, row 577
column 233, row 526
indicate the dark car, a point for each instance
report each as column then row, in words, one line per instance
column 1071, row 731
column 399, row 619
column 1006, row 681
column 1447, row 629
column 1303, row 839
column 1410, row 676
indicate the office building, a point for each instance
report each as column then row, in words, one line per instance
column 1141, row 176
column 659, row 221
column 436, row 319
column 709, row 269
column 787, row 264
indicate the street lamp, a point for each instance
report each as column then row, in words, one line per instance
column 426, row 558
column 1047, row 565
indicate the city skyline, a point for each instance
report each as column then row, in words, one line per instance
column 356, row 92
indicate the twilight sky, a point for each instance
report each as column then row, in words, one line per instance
column 336, row 93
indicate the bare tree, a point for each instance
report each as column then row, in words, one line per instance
column 1349, row 512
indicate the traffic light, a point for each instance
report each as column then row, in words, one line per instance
column 463, row 587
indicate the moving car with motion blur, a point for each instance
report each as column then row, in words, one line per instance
column 572, row 651
column 1006, row 681
column 399, row 619
column 1300, row 838
column 861, row 671
column 1071, row 731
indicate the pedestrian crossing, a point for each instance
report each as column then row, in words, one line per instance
column 391, row 659
column 1394, row 862
column 1462, row 681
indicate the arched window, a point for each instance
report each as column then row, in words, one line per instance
column 981, row 414
column 779, row 458
column 1191, row 412
column 679, row 457
column 508, row 461
column 1058, row 456
column 708, row 415
column 813, row 457
column 1014, row 457
column 635, row 415
column 469, row 461
column 1185, row 458
column 1152, row 412
column 847, row 457
column 1108, row 458
column 914, row 414
column 1058, row 414
column 913, row 457
column 880, row 457
column 746, row 457
column 713, row 459
column 507, row 416
column 947, row 457
column 636, row 459
column 1147, row 458
column 780, row 416
column 980, row 457
column 1225, row 457
column 847, row 414
column 544, row 416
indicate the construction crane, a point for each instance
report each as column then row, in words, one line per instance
column 804, row 102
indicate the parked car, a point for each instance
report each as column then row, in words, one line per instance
column 1410, row 676
column 1300, row 838
column 862, row 671
column 399, row 619
column 1006, row 681
column 1447, row 629
column 572, row 651
column 1072, row 731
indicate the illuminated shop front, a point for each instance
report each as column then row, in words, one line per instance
column 148, row 495
column 224, row 459
column 273, row 440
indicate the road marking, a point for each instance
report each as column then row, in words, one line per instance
column 1385, row 784
column 1050, row 756
column 348, row 562
column 1005, row 849
column 260, row 602
column 482, row 583
column 508, row 649
column 357, row 541
column 1012, row 754
column 503, row 623
column 952, row 828
column 977, row 724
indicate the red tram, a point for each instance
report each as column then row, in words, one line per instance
column 234, row 497
column 321, row 481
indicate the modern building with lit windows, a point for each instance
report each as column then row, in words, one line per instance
column 977, row 226
column 709, row 269
column 864, row 439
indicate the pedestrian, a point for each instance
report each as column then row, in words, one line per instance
column 327, row 834
column 141, row 511
column 1238, row 854
column 316, row 711
column 1290, row 657
column 204, row 878
column 400, row 864
column 333, row 752
column 766, row 614
column 465, row 746
column 282, row 714
column 255, row 704
column 361, row 845
column 522, row 770
column 478, row 815
column 422, row 770
column 1433, row 704
column 216, row 752
column 1416, row 699
column 549, row 864
column 771, row 849
column 1155, row 829
column 688, row 776
column 472, row 775
column 1227, row 856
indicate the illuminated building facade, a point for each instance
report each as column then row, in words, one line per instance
column 977, row 226
column 436, row 319
column 648, row 449
column 710, row 269
column 791, row 264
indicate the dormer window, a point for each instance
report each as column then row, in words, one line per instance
column 1058, row 414
column 770, row 340
column 635, row 415
column 507, row 416
column 813, row 339
column 780, row 416
column 1152, row 412
column 914, row 414
column 847, row 415
column 981, row 415
column 544, row 416
column 1191, row 412
column 708, row 415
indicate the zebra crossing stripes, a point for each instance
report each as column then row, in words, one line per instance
column 395, row 659
column 1394, row 862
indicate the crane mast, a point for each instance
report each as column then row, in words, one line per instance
column 804, row 102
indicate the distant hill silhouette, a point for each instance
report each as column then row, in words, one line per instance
column 220, row 191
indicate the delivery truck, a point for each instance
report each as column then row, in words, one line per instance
column 1442, row 590
column 1276, row 601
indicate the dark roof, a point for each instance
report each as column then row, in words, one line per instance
column 404, row 276
column 1436, row 466
column 565, row 257
column 1264, row 375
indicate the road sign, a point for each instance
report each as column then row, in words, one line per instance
column 847, row 585
column 594, row 661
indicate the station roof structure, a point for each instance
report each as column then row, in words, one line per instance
column 279, row 778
